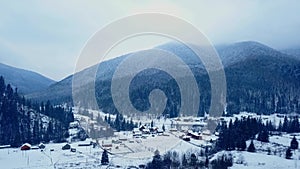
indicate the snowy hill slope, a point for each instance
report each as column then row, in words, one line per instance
column 26, row 81
column 261, row 75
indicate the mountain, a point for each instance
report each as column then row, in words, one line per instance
column 26, row 81
column 264, row 82
column 259, row 79
column 239, row 52
column 62, row 91
column 293, row 52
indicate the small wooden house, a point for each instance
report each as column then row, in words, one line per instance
column 26, row 146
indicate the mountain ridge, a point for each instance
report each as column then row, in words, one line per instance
column 292, row 52
column 25, row 80
column 251, row 68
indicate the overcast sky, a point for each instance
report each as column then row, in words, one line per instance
column 47, row 36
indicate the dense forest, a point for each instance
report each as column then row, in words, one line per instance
column 23, row 121
column 263, row 83
column 258, row 78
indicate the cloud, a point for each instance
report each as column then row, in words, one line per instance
column 47, row 36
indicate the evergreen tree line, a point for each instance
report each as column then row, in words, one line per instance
column 289, row 125
column 60, row 113
column 189, row 160
column 22, row 121
column 120, row 123
column 235, row 134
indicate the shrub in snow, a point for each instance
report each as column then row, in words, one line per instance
column 240, row 159
column 288, row 153
column 269, row 150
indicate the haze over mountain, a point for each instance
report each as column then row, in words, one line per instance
column 259, row 79
column 26, row 81
column 293, row 52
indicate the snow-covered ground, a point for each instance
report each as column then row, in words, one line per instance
column 51, row 157
column 126, row 150
column 125, row 153
column 142, row 150
column 263, row 161
column 267, row 156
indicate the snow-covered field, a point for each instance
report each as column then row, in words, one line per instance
column 126, row 150
column 51, row 157
column 263, row 161
column 133, row 153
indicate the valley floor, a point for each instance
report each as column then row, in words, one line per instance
column 140, row 152
column 126, row 150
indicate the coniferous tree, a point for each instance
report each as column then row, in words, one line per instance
column 294, row 143
column 42, row 108
column 109, row 119
column 117, row 122
column 285, row 124
column 193, row 161
column 123, row 126
column 157, row 161
column 294, row 125
column 263, row 136
column 16, row 140
column 251, row 147
column 184, row 161
column 241, row 145
column 36, row 133
column 280, row 126
column 167, row 160
column 2, row 86
column 131, row 124
column 175, row 160
column 104, row 158
column 223, row 141
column 206, row 162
